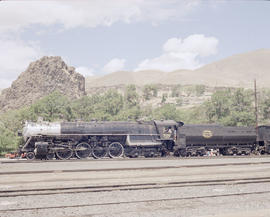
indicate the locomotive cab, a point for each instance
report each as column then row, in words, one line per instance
column 169, row 131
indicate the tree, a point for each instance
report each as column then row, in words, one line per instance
column 164, row 98
column 200, row 89
column 166, row 112
column 218, row 106
column 176, row 91
column 83, row 108
column 112, row 102
column 8, row 139
column 231, row 107
column 133, row 113
column 264, row 105
column 150, row 91
column 53, row 107
column 131, row 96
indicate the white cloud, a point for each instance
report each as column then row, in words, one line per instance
column 85, row 71
column 114, row 65
column 15, row 56
column 16, row 15
column 198, row 44
column 182, row 54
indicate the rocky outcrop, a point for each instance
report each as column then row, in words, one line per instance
column 41, row 78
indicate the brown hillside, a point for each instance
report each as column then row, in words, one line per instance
column 126, row 77
column 238, row 71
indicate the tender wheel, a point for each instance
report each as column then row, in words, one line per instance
column 30, row 156
column 180, row 153
column 50, row 155
column 116, row 150
column 262, row 152
column 64, row 153
column 99, row 151
column 83, row 150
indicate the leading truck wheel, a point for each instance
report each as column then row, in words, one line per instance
column 83, row 150
column 64, row 153
column 30, row 156
column 116, row 150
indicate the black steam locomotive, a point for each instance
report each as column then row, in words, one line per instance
column 133, row 139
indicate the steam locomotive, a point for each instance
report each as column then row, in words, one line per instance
column 133, row 139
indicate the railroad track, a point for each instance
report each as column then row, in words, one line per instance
column 131, row 159
column 131, row 168
column 133, row 202
column 130, row 187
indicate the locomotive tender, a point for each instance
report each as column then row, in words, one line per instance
column 227, row 140
column 132, row 139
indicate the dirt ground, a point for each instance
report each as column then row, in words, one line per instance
column 222, row 199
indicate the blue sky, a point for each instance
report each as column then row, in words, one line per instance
column 99, row 37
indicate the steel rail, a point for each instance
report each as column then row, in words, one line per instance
column 131, row 168
column 129, row 187
column 132, row 159
column 134, row 201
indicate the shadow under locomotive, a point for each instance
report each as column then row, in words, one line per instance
column 134, row 139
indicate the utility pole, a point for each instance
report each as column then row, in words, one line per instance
column 256, row 107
